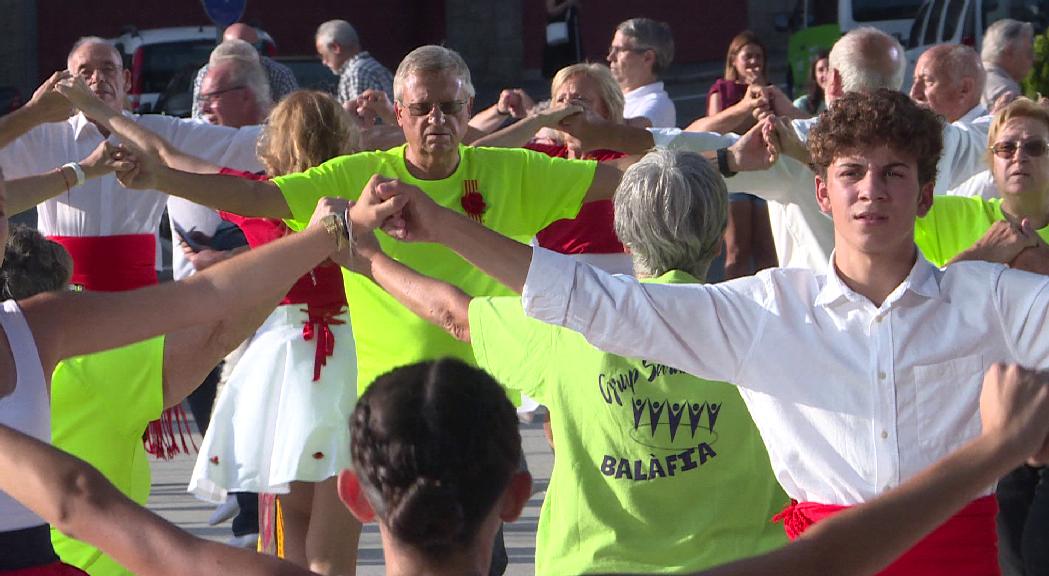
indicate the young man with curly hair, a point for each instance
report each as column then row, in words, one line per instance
column 857, row 378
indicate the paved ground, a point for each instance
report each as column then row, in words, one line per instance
column 169, row 499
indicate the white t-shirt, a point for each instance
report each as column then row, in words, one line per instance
column 652, row 102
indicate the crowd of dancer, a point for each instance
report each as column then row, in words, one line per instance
column 411, row 271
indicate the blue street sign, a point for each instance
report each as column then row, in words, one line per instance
column 224, row 12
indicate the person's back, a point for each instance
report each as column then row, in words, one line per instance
column 656, row 470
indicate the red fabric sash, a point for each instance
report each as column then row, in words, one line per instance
column 117, row 264
column 112, row 263
column 964, row 545
column 54, row 569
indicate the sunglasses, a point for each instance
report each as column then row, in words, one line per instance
column 1007, row 149
column 425, row 108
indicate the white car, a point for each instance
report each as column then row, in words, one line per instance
column 964, row 22
column 164, row 62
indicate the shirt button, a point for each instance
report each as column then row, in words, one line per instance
column 884, row 434
column 881, row 375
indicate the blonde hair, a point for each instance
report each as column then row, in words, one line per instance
column 1019, row 108
column 607, row 87
column 305, row 130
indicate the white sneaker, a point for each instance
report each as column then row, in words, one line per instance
column 248, row 541
column 224, row 511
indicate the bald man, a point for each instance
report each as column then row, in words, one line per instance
column 282, row 80
column 949, row 80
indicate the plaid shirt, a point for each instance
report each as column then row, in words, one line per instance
column 360, row 73
column 282, row 82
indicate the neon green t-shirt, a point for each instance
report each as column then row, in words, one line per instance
column 522, row 192
column 955, row 223
column 656, row 471
column 100, row 405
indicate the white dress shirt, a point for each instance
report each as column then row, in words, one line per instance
column 102, row 207
column 804, row 235
column 652, row 102
column 982, row 185
column 850, row 398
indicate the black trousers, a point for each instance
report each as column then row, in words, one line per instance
column 1023, row 522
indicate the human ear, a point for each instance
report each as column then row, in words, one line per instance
column 515, row 497
column 352, row 495
column 925, row 198
column 822, row 194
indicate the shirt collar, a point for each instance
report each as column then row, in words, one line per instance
column 974, row 113
column 349, row 61
column 80, row 123
column 653, row 88
column 921, row 280
column 671, row 277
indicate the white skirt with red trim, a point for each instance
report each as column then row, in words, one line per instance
column 272, row 424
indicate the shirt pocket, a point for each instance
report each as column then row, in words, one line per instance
column 948, row 395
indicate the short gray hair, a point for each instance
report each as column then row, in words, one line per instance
column 1003, row 35
column 85, row 40
column 432, row 58
column 868, row 60
column 247, row 72
column 651, row 35
column 671, row 209
column 958, row 61
column 338, row 32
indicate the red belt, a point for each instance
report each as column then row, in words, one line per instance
column 112, row 263
column 964, row 545
column 53, row 569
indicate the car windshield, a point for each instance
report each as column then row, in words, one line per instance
column 873, row 10
column 162, row 62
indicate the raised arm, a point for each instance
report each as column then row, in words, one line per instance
column 76, row 499
column 519, row 133
column 69, row 324
column 45, row 106
column 595, row 132
column 138, row 137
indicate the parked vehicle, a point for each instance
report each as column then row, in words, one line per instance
column 964, row 22
column 816, row 24
column 157, row 57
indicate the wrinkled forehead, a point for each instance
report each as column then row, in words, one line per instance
column 94, row 55
column 438, row 86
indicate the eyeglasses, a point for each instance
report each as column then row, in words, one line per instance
column 425, row 108
column 1007, row 149
column 613, row 51
column 211, row 96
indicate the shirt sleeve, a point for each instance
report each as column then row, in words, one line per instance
column 964, row 149
column 706, row 330
column 550, row 189
column 515, row 349
column 678, row 139
column 1022, row 300
column 981, row 185
column 221, row 145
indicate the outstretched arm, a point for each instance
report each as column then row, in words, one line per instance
column 76, row 499
column 69, row 324
column 1014, row 407
column 519, row 133
column 25, row 193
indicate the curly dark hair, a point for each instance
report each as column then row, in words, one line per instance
column 435, row 445
column 884, row 118
column 33, row 264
